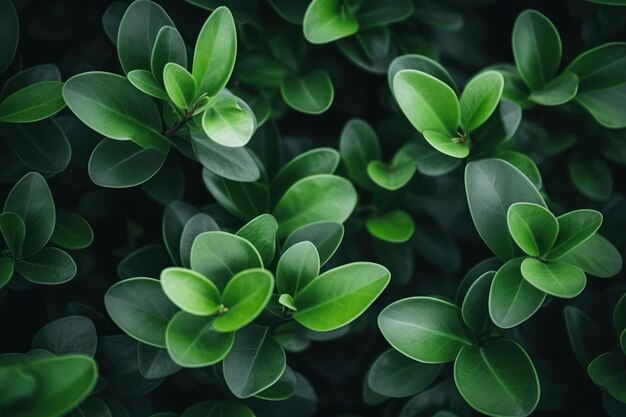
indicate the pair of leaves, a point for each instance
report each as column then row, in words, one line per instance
column 538, row 233
column 434, row 110
column 432, row 331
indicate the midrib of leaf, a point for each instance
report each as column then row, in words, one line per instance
column 499, row 380
column 436, row 332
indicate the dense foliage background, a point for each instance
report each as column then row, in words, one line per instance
column 411, row 215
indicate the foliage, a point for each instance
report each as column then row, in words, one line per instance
column 312, row 208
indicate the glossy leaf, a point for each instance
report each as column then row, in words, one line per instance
column 219, row 256
column 397, row 376
column 169, row 47
column 190, row 291
column 326, row 236
column 533, row 227
column 512, row 299
column 312, row 199
column 49, row 266
column 575, row 227
column 536, row 48
column 498, row 379
column 244, row 297
column 425, row 329
column 72, row 334
column 391, row 177
column 72, row 231
column 297, row 267
column 475, row 307
column 13, row 231
column 596, row 256
column 312, row 93
column 41, row 145
column 140, row 308
column 609, row 372
column 558, row 91
column 32, row 103
column 32, row 201
column 192, row 341
column 492, row 186
column 428, row 103
column 180, row 85
column 255, row 362
column 555, row 278
column 340, row 295
column 359, row 146
column 261, row 232
column 395, row 226
column 328, row 20
column 227, row 123
column 216, row 49
column 479, row 99
column 111, row 106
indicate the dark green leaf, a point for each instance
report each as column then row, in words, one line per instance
column 49, row 266
column 311, row 93
column 32, row 103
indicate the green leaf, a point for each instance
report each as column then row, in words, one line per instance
column 244, row 297
column 227, row 123
column 326, row 236
column 13, row 231
column 591, row 176
column 556, row 278
column 340, row 295
column 532, row 227
column 41, row 145
column 605, row 105
column 421, row 63
column 395, row 226
column 176, row 216
column 428, row 103
column 72, row 334
column 236, row 164
column 286, row 300
column 558, row 91
column 608, row 371
column 123, row 164
column 144, row 81
column 32, row 103
column 297, row 267
column 141, row 309
column 425, row 329
column 169, row 47
column 49, row 266
column 154, row 362
column 192, row 342
column 512, row 299
column 9, row 33
column 261, row 232
column 138, row 33
column 7, row 266
column 359, row 146
column 282, row 389
column 498, row 379
column 492, row 185
column 583, row 335
column 218, row 408
column 316, row 161
column 220, row 256
column 111, row 106
column 197, row 224
column 619, row 318
column 31, row 200
column 480, row 99
column 72, row 231
column 215, row 52
column 522, row 162
column 312, row 199
column 15, row 384
column 536, row 48
column 500, row 127
column 475, row 308
column 190, row 291
column 600, row 68
column 180, row 85
column 311, row 93
column 328, row 20
column 92, row 406
column 391, row 177
column 575, row 227
column 397, row 376
column 61, row 383
column 255, row 362
column 596, row 256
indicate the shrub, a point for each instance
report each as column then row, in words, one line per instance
column 308, row 208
